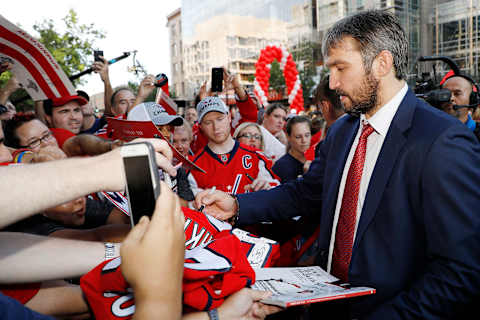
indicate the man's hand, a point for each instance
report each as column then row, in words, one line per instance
column 258, row 184
column 203, row 93
column 232, row 81
column 4, row 66
column 101, row 67
column 245, row 304
column 152, row 259
column 163, row 154
column 146, row 87
column 11, row 112
column 219, row 204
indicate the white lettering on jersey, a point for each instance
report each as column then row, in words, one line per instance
column 206, row 259
column 116, row 307
column 219, row 224
column 196, row 237
column 247, row 164
column 112, row 265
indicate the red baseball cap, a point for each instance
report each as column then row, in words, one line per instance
column 58, row 102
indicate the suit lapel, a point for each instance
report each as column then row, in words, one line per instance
column 393, row 144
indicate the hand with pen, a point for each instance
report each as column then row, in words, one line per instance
column 216, row 203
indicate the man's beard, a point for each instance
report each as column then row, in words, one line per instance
column 365, row 96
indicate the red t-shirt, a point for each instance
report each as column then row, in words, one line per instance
column 61, row 135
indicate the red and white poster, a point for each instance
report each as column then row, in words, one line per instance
column 127, row 130
column 35, row 68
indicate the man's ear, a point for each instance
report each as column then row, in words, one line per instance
column 383, row 64
column 326, row 106
column 49, row 121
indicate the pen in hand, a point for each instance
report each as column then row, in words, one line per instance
column 210, row 192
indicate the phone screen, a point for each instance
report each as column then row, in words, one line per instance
column 97, row 54
column 139, row 187
column 217, row 79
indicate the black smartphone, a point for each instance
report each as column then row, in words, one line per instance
column 97, row 54
column 143, row 184
column 217, row 79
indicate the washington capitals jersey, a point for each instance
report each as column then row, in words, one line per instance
column 212, row 272
column 218, row 262
column 232, row 171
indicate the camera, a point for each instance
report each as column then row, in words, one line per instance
column 426, row 86
column 160, row 80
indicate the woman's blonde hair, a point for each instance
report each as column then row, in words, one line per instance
column 244, row 125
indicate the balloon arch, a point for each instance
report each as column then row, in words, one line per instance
column 289, row 68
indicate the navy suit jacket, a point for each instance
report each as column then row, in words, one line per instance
column 418, row 238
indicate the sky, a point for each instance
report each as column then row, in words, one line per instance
column 129, row 25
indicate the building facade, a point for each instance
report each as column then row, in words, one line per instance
column 177, row 78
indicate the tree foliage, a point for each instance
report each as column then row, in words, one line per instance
column 72, row 47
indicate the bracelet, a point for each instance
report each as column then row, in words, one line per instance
column 109, row 250
column 234, row 219
column 213, row 314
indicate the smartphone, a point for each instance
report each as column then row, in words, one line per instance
column 217, row 79
column 97, row 54
column 143, row 186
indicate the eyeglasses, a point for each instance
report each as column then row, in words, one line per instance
column 255, row 136
column 36, row 143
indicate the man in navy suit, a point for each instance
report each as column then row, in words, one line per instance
column 396, row 187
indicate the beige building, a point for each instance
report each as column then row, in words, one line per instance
column 231, row 41
column 218, row 33
column 176, row 81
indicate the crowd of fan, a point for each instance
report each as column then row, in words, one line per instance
column 242, row 147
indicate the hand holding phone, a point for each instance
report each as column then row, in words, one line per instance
column 97, row 54
column 143, row 185
column 217, row 79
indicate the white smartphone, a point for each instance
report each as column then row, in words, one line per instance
column 143, row 186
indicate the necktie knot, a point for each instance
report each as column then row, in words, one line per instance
column 366, row 131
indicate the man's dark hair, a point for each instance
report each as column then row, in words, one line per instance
column 117, row 91
column 10, row 130
column 374, row 31
column 323, row 92
column 295, row 120
column 48, row 106
column 275, row 106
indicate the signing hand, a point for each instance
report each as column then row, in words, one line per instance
column 218, row 204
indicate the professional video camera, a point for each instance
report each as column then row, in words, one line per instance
column 426, row 86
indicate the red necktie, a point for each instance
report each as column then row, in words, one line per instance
column 342, row 250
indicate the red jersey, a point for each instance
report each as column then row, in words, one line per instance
column 212, row 270
column 211, row 273
column 232, row 171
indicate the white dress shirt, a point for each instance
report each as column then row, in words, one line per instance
column 380, row 122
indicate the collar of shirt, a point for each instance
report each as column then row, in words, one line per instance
column 470, row 123
column 382, row 119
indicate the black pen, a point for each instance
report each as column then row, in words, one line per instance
column 249, row 177
column 209, row 193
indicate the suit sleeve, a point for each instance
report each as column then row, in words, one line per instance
column 450, row 182
column 299, row 197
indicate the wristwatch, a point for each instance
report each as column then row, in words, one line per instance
column 213, row 314
column 109, row 251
